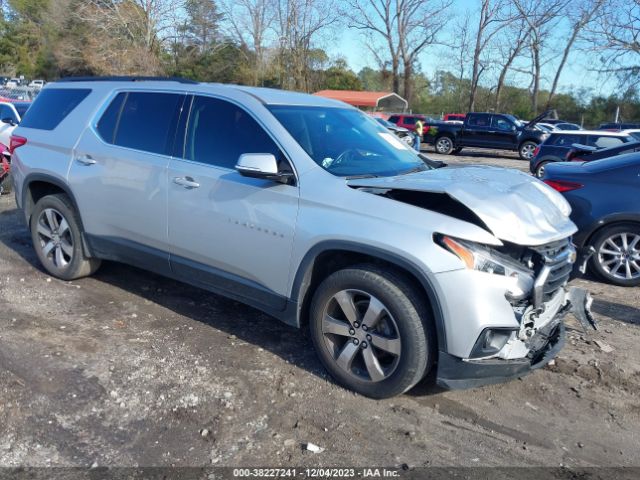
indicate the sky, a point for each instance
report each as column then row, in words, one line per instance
column 351, row 46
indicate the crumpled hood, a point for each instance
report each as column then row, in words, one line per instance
column 516, row 207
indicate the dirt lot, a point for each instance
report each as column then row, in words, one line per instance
column 130, row 369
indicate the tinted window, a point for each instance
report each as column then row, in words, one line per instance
column 22, row 108
column 7, row 112
column 147, row 121
column 394, row 118
column 501, row 123
column 567, row 140
column 52, row 106
column 480, row 120
column 107, row 124
column 218, row 132
column 604, row 142
column 409, row 121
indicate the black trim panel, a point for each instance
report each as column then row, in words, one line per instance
column 455, row 373
column 193, row 273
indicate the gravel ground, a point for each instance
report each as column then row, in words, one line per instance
column 130, row 369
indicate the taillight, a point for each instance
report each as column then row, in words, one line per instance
column 536, row 150
column 16, row 142
column 563, row 185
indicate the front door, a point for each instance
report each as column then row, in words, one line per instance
column 228, row 232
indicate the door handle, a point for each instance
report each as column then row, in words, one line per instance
column 186, row 182
column 86, row 160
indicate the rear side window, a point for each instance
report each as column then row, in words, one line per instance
column 409, row 121
column 219, row 132
column 394, row 118
column 147, row 121
column 51, row 106
column 605, row 142
column 566, row 140
column 480, row 120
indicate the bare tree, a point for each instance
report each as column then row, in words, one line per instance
column 299, row 24
column 493, row 17
column 125, row 36
column 580, row 14
column 248, row 23
column 516, row 40
column 616, row 37
column 404, row 27
column 541, row 16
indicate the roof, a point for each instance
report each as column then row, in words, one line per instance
column 267, row 96
column 358, row 98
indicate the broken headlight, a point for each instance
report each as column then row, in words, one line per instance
column 484, row 259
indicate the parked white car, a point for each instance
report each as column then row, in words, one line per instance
column 10, row 116
column 37, row 83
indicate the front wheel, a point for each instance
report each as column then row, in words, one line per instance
column 372, row 331
column 617, row 257
column 526, row 150
column 56, row 234
column 444, row 145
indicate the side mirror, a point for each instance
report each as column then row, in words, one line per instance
column 261, row 165
column 8, row 121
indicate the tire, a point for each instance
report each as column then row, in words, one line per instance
column 443, row 145
column 402, row 341
column 526, row 150
column 56, row 232
column 540, row 168
column 609, row 245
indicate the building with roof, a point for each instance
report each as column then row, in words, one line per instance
column 377, row 101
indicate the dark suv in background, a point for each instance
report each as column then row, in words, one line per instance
column 560, row 143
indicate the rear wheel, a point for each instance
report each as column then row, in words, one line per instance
column 372, row 331
column 540, row 169
column 444, row 145
column 617, row 257
column 526, row 150
column 56, row 234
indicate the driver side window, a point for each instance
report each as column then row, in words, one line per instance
column 502, row 124
column 218, row 132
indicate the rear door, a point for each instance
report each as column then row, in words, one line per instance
column 476, row 130
column 228, row 232
column 119, row 176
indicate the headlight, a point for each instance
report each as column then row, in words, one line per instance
column 483, row 259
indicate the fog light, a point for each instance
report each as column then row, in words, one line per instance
column 490, row 342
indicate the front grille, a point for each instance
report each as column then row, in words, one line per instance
column 554, row 266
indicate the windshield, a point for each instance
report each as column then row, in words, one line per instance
column 346, row 142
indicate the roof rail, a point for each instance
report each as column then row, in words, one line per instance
column 131, row 78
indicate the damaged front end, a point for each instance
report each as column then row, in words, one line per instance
column 540, row 299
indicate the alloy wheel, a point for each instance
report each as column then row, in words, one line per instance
column 619, row 256
column 361, row 335
column 527, row 151
column 56, row 241
column 443, row 145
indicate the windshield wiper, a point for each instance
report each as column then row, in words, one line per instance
column 420, row 168
column 356, row 177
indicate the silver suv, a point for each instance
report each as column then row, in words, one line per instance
column 306, row 209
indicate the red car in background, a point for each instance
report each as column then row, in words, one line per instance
column 409, row 120
column 459, row 117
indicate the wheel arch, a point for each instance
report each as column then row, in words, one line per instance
column 608, row 222
column 39, row 185
column 327, row 257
